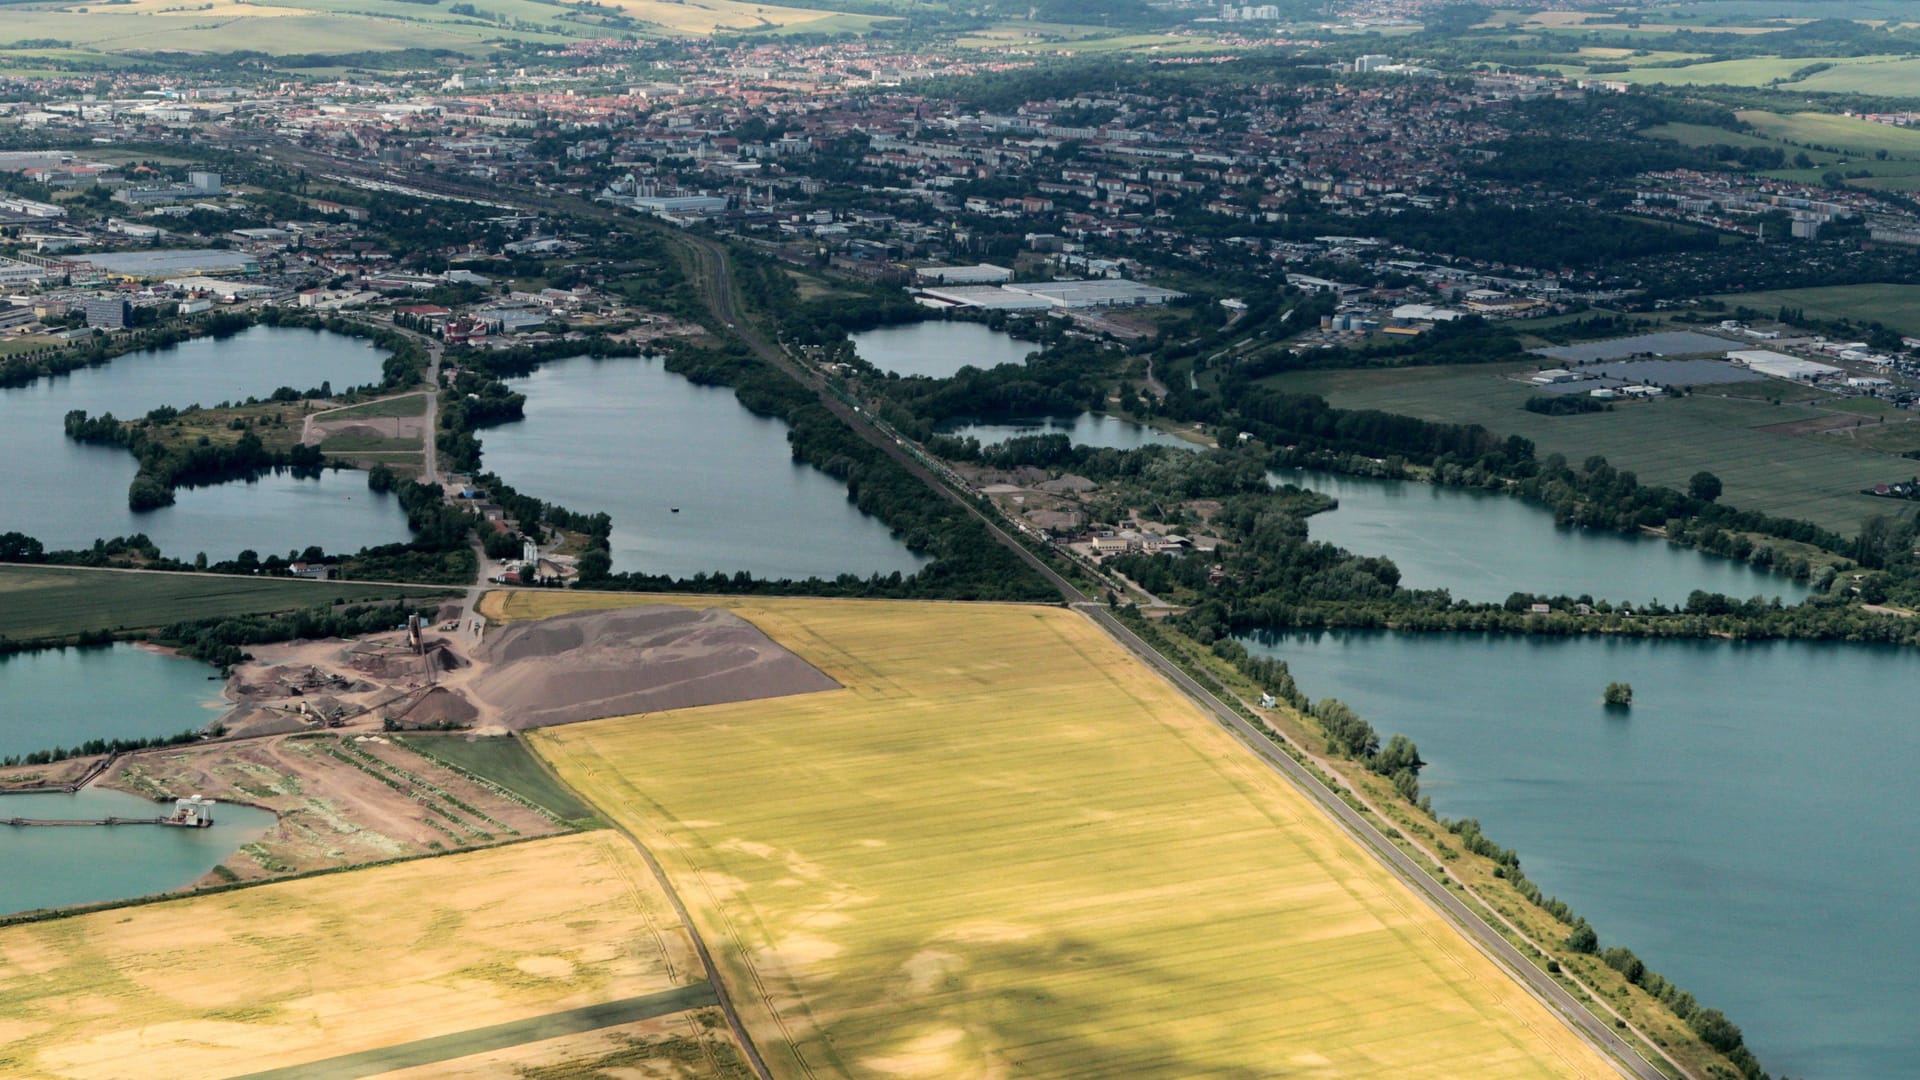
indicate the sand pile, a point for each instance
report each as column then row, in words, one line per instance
column 439, row 707
column 596, row 664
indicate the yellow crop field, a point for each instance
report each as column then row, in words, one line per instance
column 1006, row 848
column 319, row 968
column 706, row 16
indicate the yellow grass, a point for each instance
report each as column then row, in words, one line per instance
column 705, row 16
column 1007, row 849
column 304, row 970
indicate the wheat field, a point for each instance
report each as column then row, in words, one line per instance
column 1006, row 848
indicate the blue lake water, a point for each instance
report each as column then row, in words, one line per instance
column 938, row 348
column 1483, row 545
column 49, row 867
column 68, row 494
column 1748, row 828
column 628, row 437
column 60, row 697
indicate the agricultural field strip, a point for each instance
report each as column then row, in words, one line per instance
column 39, row 601
column 498, row 1037
column 385, row 956
column 1103, row 850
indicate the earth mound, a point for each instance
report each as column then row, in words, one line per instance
column 595, row 664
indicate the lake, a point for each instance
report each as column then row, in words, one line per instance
column 1748, row 828
column 626, row 436
column 58, row 867
column 1483, row 545
column 60, row 697
column 1087, row 429
column 938, row 348
column 67, row 494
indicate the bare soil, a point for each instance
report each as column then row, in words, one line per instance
column 591, row 665
column 334, row 806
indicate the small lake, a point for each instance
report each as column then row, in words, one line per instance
column 1087, row 429
column 626, row 436
column 50, row 867
column 938, row 348
column 1748, row 828
column 60, row 697
column 68, row 494
column 1483, row 545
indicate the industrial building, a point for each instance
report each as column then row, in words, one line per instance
column 225, row 291
column 199, row 185
column 1781, row 366
column 107, row 313
column 158, row 265
column 1039, row 296
column 981, row 274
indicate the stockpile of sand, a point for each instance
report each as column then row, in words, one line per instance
column 439, row 707
column 596, row 664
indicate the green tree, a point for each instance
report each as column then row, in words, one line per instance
column 1704, row 486
column 1618, row 695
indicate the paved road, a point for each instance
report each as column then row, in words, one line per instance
column 719, row 288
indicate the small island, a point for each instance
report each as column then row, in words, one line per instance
column 1618, row 695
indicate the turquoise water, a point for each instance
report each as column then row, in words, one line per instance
column 69, row 494
column 58, row 867
column 628, row 437
column 1482, row 545
column 1748, row 828
column 1087, row 429
column 939, row 349
column 60, row 697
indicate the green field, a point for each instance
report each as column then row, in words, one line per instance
column 1886, row 78
column 506, row 761
column 282, row 27
column 404, row 405
column 1856, row 136
column 1664, row 442
column 1896, row 307
column 369, row 444
column 1007, row 848
column 57, row 601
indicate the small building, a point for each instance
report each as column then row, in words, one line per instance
column 194, row 812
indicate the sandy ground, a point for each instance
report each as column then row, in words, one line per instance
column 33, row 776
column 318, row 429
column 592, row 665
column 333, row 812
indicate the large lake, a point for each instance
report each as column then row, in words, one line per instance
column 68, row 494
column 1485, row 546
column 59, row 697
column 938, row 348
column 1086, row 429
column 628, row 437
column 50, row 867
column 1748, row 828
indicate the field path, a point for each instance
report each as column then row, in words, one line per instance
column 497, row 1037
column 721, row 997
